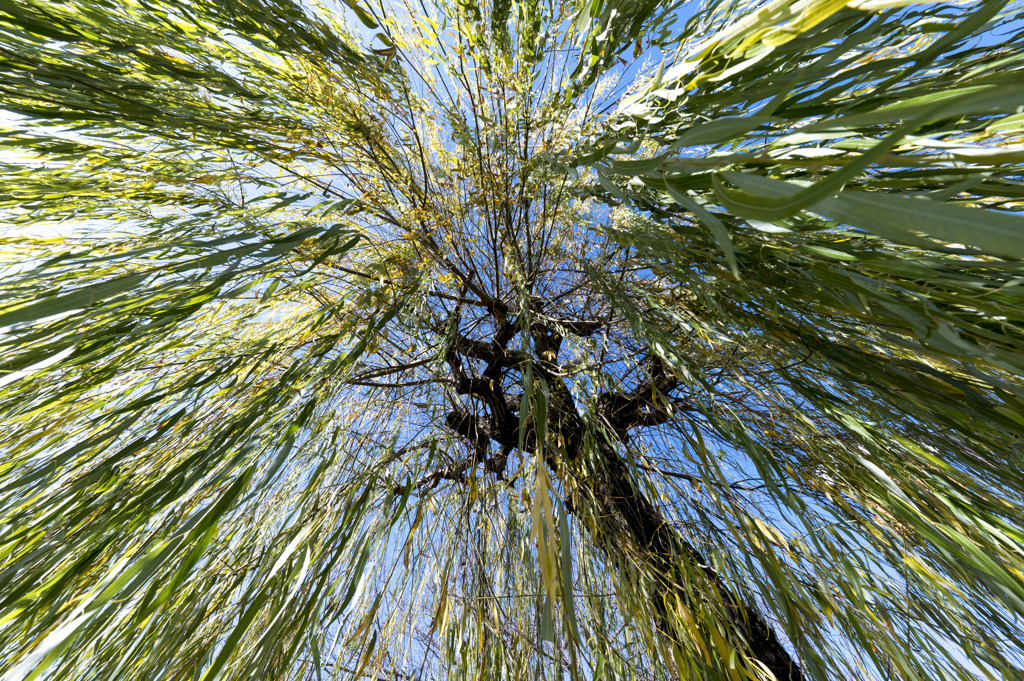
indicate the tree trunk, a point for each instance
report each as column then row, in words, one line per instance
column 624, row 516
column 620, row 518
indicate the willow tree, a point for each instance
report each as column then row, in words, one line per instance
column 511, row 340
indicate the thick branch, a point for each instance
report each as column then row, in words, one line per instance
column 582, row 327
column 644, row 406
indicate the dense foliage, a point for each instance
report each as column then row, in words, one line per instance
column 522, row 339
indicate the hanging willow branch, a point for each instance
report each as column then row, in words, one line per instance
column 612, row 340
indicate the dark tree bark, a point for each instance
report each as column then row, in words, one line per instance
column 621, row 514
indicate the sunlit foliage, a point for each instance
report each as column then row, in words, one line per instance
column 522, row 339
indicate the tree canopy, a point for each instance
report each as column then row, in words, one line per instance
column 521, row 339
